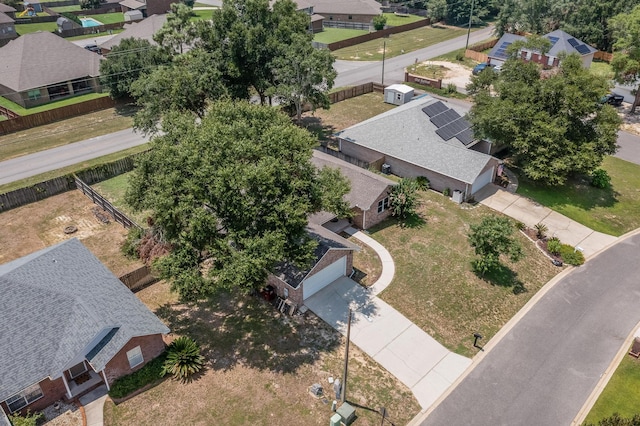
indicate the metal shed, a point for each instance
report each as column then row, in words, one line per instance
column 398, row 94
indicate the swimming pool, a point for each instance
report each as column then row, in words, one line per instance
column 90, row 22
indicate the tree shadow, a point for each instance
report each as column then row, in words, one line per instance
column 503, row 276
column 241, row 329
column 316, row 127
column 126, row 108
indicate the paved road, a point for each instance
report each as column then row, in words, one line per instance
column 67, row 155
column 546, row 366
column 629, row 147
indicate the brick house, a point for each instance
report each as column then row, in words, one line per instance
column 70, row 325
column 7, row 24
column 424, row 137
column 361, row 11
column 147, row 7
column 333, row 258
column 143, row 30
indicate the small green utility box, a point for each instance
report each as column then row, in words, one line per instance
column 335, row 420
column 347, row 412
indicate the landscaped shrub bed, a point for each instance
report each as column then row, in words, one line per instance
column 148, row 374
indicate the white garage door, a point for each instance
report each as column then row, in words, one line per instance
column 482, row 180
column 323, row 278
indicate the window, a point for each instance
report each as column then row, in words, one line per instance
column 383, row 204
column 135, row 356
column 24, row 398
column 550, row 61
column 350, row 17
column 34, row 94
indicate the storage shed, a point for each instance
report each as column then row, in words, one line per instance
column 398, row 94
column 133, row 15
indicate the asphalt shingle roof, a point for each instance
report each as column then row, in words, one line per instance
column 563, row 45
column 144, row 30
column 41, row 59
column 5, row 19
column 56, row 305
column 406, row 133
column 346, row 7
column 4, row 8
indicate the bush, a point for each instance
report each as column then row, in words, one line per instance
column 554, row 245
column 71, row 17
column 600, row 179
column 131, row 244
column 520, row 226
column 183, row 359
column 459, row 56
column 446, row 192
column 423, row 183
column 452, row 88
column 541, row 230
column 379, row 22
column 570, row 255
column 31, row 419
column 128, row 384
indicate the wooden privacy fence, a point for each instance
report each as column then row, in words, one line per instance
column 603, row 56
column 138, row 279
column 479, row 47
column 98, row 199
column 344, row 157
column 378, row 34
column 476, row 56
column 352, row 92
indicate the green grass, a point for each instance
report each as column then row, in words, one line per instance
column 114, row 190
column 107, row 18
column 434, row 285
column 22, row 29
column 201, row 14
column 198, row 4
column 51, row 105
column 621, row 394
column 453, row 57
column 394, row 20
column 72, row 8
column 397, row 44
column 602, row 69
column 331, row 35
column 86, row 36
column 613, row 211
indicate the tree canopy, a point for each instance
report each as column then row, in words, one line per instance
column 626, row 60
column 491, row 238
column 554, row 126
column 231, row 194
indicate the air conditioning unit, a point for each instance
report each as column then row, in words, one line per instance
column 386, row 168
column 457, row 196
column 335, row 420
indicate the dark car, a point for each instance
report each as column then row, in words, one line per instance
column 481, row 67
column 612, row 99
column 93, row 48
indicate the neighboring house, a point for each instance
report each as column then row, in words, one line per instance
column 7, row 10
column 7, row 28
column 65, row 316
column 143, row 30
column 40, row 67
column 361, row 11
column 333, row 258
column 424, row 137
column 368, row 197
column 147, row 7
column 561, row 43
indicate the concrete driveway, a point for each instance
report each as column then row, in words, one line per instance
column 398, row 345
column 531, row 213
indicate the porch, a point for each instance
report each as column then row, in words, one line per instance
column 84, row 382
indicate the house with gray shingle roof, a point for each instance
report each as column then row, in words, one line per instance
column 362, row 11
column 69, row 325
column 425, row 137
column 7, row 28
column 40, row 67
column 143, row 30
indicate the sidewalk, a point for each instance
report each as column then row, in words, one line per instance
column 394, row 342
column 531, row 213
column 93, row 404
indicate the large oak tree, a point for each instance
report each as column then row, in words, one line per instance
column 626, row 60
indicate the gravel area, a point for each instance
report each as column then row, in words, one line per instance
column 65, row 415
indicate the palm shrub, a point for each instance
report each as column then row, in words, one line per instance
column 541, row 230
column 423, row 183
column 183, row 359
column 554, row 245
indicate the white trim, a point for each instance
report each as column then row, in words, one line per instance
column 66, row 385
column 24, row 398
column 82, row 372
column 138, row 349
column 106, row 382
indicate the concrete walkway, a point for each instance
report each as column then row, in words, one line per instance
column 531, row 213
column 394, row 342
column 93, row 404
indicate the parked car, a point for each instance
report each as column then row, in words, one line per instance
column 93, row 48
column 481, row 67
column 612, row 99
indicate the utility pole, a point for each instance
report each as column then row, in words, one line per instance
column 343, row 394
column 384, row 50
column 469, row 29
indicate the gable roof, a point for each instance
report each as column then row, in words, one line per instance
column 133, row 4
column 5, row 8
column 55, row 303
column 6, row 19
column 143, row 30
column 41, row 59
column 499, row 51
column 327, row 240
column 407, row 133
column 347, row 7
column 563, row 42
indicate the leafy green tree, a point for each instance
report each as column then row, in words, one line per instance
column 183, row 359
column 304, row 75
column 555, row 127
column 126, row 63
column 436, row 10
column 491, row 238
column 231, row 194
column 89, row 4
column 458, row 11
column 626, row 61
column 379, row 22
column 403, row 198
column 178, row 31
column 617, row 420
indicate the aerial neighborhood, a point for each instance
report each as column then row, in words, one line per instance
column 319, row 212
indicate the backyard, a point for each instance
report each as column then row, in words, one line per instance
column 331, row 35
column 50, row 105
column 395, row 20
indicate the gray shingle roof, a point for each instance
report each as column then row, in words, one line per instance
column 499, row 50
column 5, row 19
column 563, row 44
column 4, row 8
column 133, row 4
column 41, row 59
column 366, row 186
column 56, row 303
column 347, row 7
column 407, row 133
column 144, row 30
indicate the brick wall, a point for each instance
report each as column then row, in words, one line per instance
column 295, row 294
column 373, row 217
column 151, row 347
column 53, row 391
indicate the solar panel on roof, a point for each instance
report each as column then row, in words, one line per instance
column 466, row 137
column 573, row 42
column 453, row 128
column 553, row 40
column 583, row 49
column 445, row 118
column 435, row 109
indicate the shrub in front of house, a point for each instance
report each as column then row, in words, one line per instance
column 30, row 419
column 423, row 183
column 570, row 255
column 554, row 245
column 130, row 383
column 183, row 359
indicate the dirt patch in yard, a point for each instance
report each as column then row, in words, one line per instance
column 38, row 225
column 453, row 73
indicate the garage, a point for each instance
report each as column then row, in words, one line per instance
column 323, row 278
column 482, row 180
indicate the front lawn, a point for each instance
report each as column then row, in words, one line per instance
column 434, row 286
column 394, row 20
column 397, row 44
column 613, row 211
column 621, row 394
column 331, row 35
column 23, row 29
column 259, row 366
column 107, row 18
